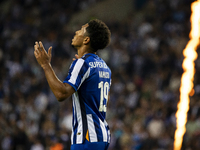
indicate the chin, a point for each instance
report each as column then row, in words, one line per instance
column 73, row 45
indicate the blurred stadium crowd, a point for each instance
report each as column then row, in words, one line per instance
column 145, row 56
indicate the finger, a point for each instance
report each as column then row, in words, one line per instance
column 49, row 51
column 36, row 49
column 76, row 55
column 37, row 45
column 42, row 47
column 35, row 53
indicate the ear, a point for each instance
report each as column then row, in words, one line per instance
column 86, row 40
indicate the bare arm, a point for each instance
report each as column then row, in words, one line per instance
column 60, row 90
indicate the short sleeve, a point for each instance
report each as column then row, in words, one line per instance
column 78, row 72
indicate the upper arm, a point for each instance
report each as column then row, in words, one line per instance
column 69, row 90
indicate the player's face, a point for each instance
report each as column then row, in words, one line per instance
column 77, row 41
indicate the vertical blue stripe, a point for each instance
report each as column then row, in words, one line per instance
column 97, row 128
column 104, row 131
column 75, row 133
column 83, row 114
column 75, row 123
column 108, row 131
column 79, row 138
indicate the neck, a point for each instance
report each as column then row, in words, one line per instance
column 84, row 50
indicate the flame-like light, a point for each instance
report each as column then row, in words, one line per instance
column 188, row 65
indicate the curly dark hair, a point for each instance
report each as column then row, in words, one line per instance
column 99, row 34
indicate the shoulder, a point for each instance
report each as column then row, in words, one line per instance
column 78, row 64
column 88, row 58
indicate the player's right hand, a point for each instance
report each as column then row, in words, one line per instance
column 43, row 58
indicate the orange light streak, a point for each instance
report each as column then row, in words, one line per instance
column 186, row 88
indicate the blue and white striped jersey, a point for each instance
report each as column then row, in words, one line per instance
column 91, row 79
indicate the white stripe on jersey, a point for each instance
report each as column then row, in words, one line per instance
column 76, row 71
column 72, row 136
column 106, row 124
column 108, row 136
column 91, row 128
column 74, row 112
column 103, row 129
column 86, row 75
column 79, row 134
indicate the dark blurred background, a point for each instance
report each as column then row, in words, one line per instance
column 145, row 56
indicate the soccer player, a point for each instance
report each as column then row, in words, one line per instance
column 88, row 81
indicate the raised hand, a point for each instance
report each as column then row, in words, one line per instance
column 76, row 57
column 43, row 58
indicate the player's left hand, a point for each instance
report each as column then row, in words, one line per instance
column 43, row 58
column 76, row 57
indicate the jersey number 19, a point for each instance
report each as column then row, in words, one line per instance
column 104, row 87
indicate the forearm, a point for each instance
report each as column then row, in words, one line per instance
column 58, row 88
